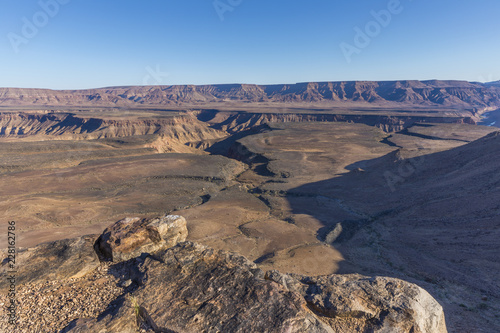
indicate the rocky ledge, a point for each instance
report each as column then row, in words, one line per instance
column 141, row 276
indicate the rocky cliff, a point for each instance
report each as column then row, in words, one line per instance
column 184, row 131
column 73, row 126
column 168, row 134
column 143, row 284
column 440, row 93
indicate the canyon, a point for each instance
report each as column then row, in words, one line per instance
column 392, row 179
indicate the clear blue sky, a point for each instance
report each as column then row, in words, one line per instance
column 90, row 44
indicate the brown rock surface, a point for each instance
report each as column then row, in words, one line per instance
column 130, row 237
column 367, row 304
column 194, row 288
column 69, row 258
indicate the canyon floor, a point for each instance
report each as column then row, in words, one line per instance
column 301, row 192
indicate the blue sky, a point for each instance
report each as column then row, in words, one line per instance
column 88, row 44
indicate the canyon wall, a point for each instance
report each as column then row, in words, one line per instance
column 426, row 93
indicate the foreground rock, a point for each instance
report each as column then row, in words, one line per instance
column 367, row 304
column 130, row 237
column 194, row 288
column 69, row 258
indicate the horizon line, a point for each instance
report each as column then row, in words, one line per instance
column 241, row 84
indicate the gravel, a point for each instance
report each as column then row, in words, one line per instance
column 51, row 305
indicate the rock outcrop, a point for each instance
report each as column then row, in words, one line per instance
column 130, row 237
column 193, row 288
column 171, row 132
column 69, row 258
column 164, row 284
column 368, row 304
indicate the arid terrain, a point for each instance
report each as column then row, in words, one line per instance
column 392, row 179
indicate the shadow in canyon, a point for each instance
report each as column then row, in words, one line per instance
column 429, row 220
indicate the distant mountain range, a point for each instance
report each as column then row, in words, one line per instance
column 493, row 84
column 436, row 93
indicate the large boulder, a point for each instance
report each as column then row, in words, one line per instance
column 358, row 303
column 130, row 237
